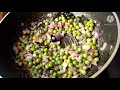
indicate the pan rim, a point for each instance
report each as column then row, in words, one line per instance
column 114, row 52
column 111, row 57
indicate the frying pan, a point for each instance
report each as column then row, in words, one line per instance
column 10, row 29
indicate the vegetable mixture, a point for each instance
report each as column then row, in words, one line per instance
column 39, row 51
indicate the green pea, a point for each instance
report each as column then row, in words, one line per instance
column 89, row 34
column 70, row 73
column 68, row 47
column 75, row 62
column 80, row 49
column 69, row 76
column 86, row 27
column 85, row 67
column 75, row 47
column 74, row 33
column 51, row 58
column 96, row 51
column 81, row 57
column 85, row 55
column 51, row 31
column 58, row 47
column 45, row 54
column 33, row 67
column 77, row 37
column 56, row 19
column 77, row 27
column 40, row 71
column 33, row 74
column 70, row 64
column 30, row 64
column 83, row 71
column 40, row 56
column 57, row 69
column 66, row 53
column 61, row 57
column 57, row 58
column 91, row 24
column 54, row 31
column 95, row 54
column 54, row 45
column 51, row 71
column 75, row 20
column 59, row 62
column 68, row 60
column 32, row 49
column 62, row 53
column 45, row 50
column 64, row 57
column 51, row 64
column 37, row 67
column 88, row 23
column 60, row 67
column 71, row 20
column 87, row 62
column 73, row 28
column 20, row 64
column 47, row 66
column 75, row 73
column 90, row 58
column 38, row 60
column 85, row 21
column 96, row 59
column 94, row 47
column 91, row 21
column 90, row 28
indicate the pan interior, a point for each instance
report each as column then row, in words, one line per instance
column 108, row 30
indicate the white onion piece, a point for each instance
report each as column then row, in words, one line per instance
column 94, row 63
column 104, row 46
column 64, row 65
column 73, row 69
column 15, row 49
column 81, row 25
column 49, row 15
column 28, row 56
column 48, row 36
column 86, row 47
column 77, row 58
column 75, row 76
column 61, row 72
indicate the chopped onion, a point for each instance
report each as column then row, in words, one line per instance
column 64, row 65
column 73, row 69
column 75, row 76
column 59, row 25
column 48, row 36
column 61, row 72
column 94, row 63
column 49, row 15
column 15, row 49
column 104, row 46
column 58, row 37
column 81, row 25
column 86, row 47
column 28, row 56
column 96, row 35
column 90, row 51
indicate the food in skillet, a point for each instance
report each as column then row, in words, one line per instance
column 40, row 52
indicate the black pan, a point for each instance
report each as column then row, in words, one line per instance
column 10, row 29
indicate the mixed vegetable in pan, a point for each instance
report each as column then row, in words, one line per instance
column 40, row 53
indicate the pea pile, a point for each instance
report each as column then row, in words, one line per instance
column 39, row 52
